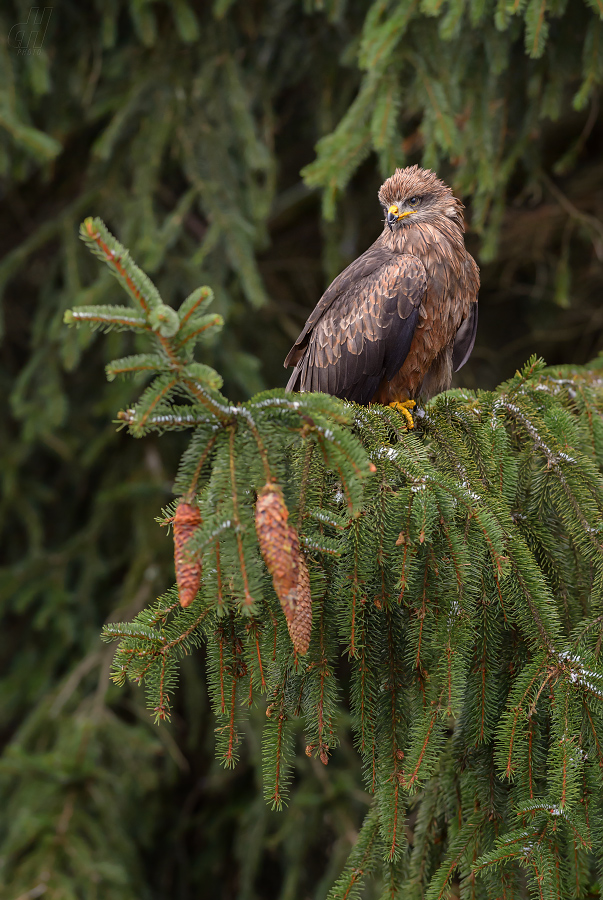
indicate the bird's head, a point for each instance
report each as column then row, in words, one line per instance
column 418, row 195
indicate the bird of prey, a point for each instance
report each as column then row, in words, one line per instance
column 396, row 323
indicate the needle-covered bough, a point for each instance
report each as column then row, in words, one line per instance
column 459, row 567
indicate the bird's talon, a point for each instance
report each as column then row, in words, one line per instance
column 405, row 408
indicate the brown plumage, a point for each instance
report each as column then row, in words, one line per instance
column 402, row 317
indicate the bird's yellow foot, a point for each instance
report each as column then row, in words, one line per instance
column 405, row 408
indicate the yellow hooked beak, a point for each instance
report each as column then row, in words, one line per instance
column 394, row 215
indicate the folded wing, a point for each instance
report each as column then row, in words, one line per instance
column 362, row 328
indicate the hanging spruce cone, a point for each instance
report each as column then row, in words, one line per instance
column 188, row 571
column 300, row 626
column 279, row 545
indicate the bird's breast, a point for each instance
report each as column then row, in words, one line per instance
column 445, row 304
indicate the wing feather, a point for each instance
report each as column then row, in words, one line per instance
column 363, row 331
column 465, row 339
column 372, row 259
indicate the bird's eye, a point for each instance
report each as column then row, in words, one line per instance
column 414, row 201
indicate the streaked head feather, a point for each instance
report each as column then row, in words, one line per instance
column 414, row 181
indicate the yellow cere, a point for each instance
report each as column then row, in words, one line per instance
column 394, row 211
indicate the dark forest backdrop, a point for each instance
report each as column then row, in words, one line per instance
column 242, row 146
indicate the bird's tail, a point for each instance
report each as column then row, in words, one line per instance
column 293, row 383
column 299, row 376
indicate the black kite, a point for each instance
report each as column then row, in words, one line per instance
column 402, row 317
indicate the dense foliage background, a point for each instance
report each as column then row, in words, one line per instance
column 186, row 128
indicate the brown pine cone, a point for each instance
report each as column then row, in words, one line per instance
column 279, row 545
column 300, row 626
column 188, row 571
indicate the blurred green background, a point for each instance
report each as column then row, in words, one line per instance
column 239, row 144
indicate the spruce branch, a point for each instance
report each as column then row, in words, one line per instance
column 460, row 567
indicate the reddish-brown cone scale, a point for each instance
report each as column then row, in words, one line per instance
column 300, row 627
column 188, row 571
column 279, row 545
